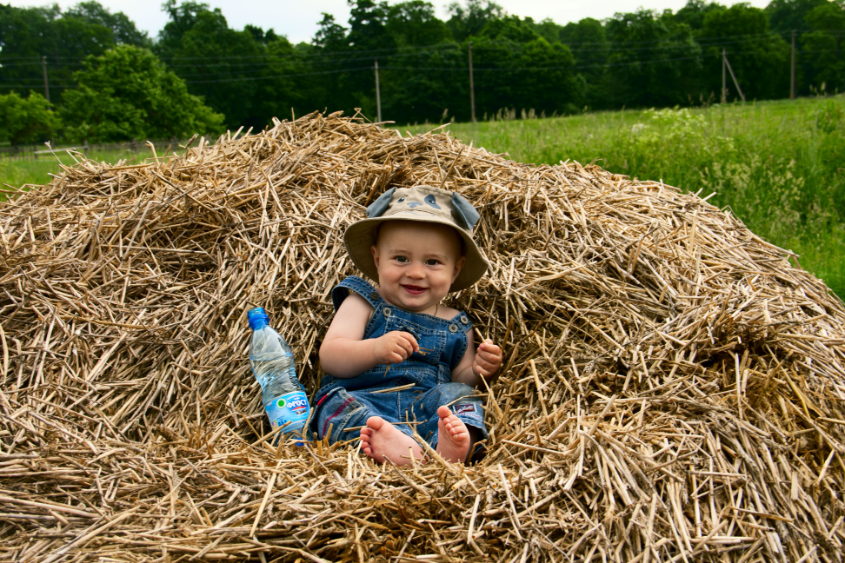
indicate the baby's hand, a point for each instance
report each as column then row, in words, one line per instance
column 394, row 347
column 488, row 359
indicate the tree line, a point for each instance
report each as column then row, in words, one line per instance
column 108, row 81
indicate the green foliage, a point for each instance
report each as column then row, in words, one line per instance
column 788, row 15
column 414, row 23
column 588, row 42
column 694, row 12
column 25, row 120
column 123, row 30
column 65, row 38
column 754, row 53
column 126, row 93
column 507, row 74
column 825, row 69
column 651, row 60
column 469, row 20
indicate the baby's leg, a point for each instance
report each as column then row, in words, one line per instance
column 381, row 440
column 453, row 437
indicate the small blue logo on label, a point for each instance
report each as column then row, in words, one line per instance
column 298, row 405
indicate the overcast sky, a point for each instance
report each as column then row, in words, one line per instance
column 298, row 19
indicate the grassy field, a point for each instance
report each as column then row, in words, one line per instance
column 780, row 166
column 17, row 173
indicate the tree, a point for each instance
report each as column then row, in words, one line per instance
column 123, row 30
column 516, row 68
column 788, row 15
column 758, row 57
column 222, row 65
column 25, row 120
column 471, row 19
column 822, row 52
column 547, row 29
column 27, row 34
column 651, row 60
column 413, row 23
column 693, row 13
column 588, row 42
column 330, row 35
column 127, row 93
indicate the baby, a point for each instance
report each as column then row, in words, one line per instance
column 397, row 359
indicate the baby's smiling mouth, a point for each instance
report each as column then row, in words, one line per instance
column 415, row 289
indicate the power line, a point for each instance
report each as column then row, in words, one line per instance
column 456, row 68
column 711, row 41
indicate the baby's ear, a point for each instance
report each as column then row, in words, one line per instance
column 374, row 251
column 459, row 265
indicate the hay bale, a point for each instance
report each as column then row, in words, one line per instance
column 673, row 388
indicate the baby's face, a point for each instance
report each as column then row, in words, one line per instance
column 417, row 263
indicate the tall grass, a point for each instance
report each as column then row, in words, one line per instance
column 20, row 172
column 778, row 166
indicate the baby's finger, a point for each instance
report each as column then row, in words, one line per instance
column 409, row 338
column 407, row 342
column 481, row 371
column 488, row 357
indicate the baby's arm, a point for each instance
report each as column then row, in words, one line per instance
column 345, row 353
column 478, row 364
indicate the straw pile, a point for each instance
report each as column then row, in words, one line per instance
column 673, row 388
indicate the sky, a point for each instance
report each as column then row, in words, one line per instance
column 298, row 19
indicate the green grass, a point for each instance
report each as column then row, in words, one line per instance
column 19, row 173
column 779, row 166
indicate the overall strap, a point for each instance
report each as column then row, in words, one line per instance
column 360, row 286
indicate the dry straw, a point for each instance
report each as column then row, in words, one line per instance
column 673, row 388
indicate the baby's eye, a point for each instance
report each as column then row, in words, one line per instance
column 432, row 262
column 401, row 259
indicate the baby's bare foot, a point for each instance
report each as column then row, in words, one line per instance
column 380, row 440
column 453, row 438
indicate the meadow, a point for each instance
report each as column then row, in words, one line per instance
column 16, row 173
column 778, row 166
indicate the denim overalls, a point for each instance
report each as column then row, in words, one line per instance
column 344, row 405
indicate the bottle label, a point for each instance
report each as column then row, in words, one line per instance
column 290, row 407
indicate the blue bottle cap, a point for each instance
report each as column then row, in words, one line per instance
column 257, row 318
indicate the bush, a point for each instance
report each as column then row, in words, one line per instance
column 127, row 93
column 25, row 120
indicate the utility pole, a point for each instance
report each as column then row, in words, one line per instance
column 724, row 85
column 471, row 85
column 378, row 95
column 792, row 71
column 46, row 84
column 733, row 76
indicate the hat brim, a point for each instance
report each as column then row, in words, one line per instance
column 360, row 237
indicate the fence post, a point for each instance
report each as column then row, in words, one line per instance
column 471, row 84
column 35, row 151
column 792, row 70
column 85, row 147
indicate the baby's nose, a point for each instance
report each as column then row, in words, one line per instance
column 416, row 270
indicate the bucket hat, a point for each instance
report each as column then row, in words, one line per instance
column 424, row 204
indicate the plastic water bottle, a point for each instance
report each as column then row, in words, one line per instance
column 272, row 363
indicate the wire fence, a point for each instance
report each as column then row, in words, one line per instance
column 44, row 151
